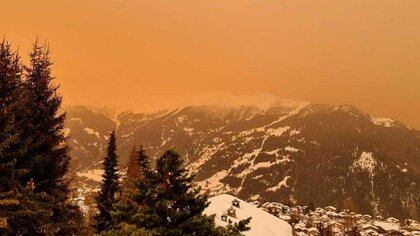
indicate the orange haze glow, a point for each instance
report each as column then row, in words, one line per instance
column 150, row 54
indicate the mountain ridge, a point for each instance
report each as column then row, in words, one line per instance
column 293, row 152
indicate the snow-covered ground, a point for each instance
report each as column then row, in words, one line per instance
column 95, row 174
column 262, row 223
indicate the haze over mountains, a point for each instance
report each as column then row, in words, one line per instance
column 290, row 152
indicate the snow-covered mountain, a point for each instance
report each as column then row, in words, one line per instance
column 290, row 152
column 262, row 222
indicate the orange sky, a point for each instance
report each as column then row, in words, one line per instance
column 150, row 54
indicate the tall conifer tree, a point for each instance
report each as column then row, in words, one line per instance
column 109, row 187
column 19, row 209
column 37, row 202
column 46, row 154
column 10, row 80
column 133, row 168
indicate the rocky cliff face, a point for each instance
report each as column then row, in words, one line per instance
column 290, row 152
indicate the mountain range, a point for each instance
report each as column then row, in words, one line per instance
column 290, row 152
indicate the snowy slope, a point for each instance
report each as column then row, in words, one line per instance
column 262, row 223
column 290, row 152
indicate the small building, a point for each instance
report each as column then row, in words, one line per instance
column 366, row 227
column 336, row 227
column 274, row 210
column 393, row 232
column 224, row 217
column 313, row 214
column 393, row 220
column 367, row 218
column 407, row 233
column 285, row 218
column 299, row 227
column 231, row 212
column 313, row 231
column 294, row 210
column 330, row 208
column 324, row 218
column 358, row 216
column 332, row 215
column 371, row 232
column 343, row 215
column 235, row 203
column 379, row 217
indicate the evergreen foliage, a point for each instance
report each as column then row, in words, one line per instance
column 311, row 206
column 10, row 81
column 33, row 157
column 133, row 168
column 46, row 155
column 109, row 187
column 164, row 202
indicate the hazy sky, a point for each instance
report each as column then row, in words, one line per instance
column 150, row 54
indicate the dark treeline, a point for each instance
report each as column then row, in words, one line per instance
column 154, row 199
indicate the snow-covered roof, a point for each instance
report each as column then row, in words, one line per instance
column 392, row 220
column 386, row 225
column 262, row 223
column 330, row 208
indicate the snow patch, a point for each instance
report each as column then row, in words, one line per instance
column 294, row 132
column 76, row 119
column 262, row 223
column 91, row 132
column 165, row 141
column 189, row 130
column 66, row 132
column 386, row 225
column 387, row 122
column 291, row 149
column 251, row 131
column 277, row 131
column 273, row 152
column 214, row 183
column 181, row 119
column 279, row 185
column 365, row 162
column 95, row 174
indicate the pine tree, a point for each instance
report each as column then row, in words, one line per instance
column 46, row 158
column 132, row 201
column 137, row 163
column 10, row 81
column 10, row 73
column 311, row 206
column 109, row 188
column 35, row 156
column 46, row 155
column 143, row 161
column 133, row 168
column 177, row 203
column 12, row 201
